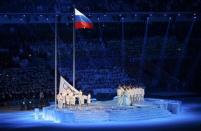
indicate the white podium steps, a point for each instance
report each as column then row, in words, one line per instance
column 121, row 115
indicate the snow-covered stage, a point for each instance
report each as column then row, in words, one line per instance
column 128, row 105
column 109, row 111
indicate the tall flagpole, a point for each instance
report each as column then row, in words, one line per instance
column 55, row 58
column 74, row 48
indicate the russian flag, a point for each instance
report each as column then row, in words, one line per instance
column 81, row 21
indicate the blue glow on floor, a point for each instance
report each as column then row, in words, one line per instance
column 25, row 119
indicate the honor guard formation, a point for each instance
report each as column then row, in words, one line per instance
column 130, row 95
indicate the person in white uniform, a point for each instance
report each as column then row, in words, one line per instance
column 127, row 98
column 142, row 94
column 71, row 99
column 63, row 99
column 60, row 100
column 132, row 95
column 80, row 97
column 119, row 96
column 67, row 100
column 88, row 99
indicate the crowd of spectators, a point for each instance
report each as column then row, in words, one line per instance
column 98, row 62
column 138, row 5
column 23, row 86
column 47, row 6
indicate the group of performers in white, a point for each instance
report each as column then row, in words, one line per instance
column 68, row 95
column 130, row 95
column 68, row 99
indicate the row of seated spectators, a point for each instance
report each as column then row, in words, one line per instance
column 138, row 5
column 22, row 85
column 172, row 48
column 99, row 5
column 90, row 79
column 96, row 66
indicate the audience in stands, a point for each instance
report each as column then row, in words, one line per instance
column 99, row 5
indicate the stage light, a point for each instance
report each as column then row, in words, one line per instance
column 194, row 17
column 135, row 14
column 170, row 18
column 41, row 15
column 179, row 14
column 47, row 19
column 194, row 14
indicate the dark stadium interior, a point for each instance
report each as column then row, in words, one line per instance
column 152, row 43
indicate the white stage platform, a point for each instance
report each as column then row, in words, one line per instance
column 109, row 111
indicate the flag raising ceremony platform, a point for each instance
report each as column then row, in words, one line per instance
column 109, row 112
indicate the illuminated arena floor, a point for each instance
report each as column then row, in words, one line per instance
column 188, row 118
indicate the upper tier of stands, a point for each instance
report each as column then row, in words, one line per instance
column 47, row 6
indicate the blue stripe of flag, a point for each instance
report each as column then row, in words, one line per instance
column 80, row 18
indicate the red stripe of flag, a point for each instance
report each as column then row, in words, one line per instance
column 83, row 25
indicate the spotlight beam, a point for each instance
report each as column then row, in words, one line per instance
column 122, row 44
column 183, row 53
column 100, row 32
column 162, row 55
column 143, row 52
